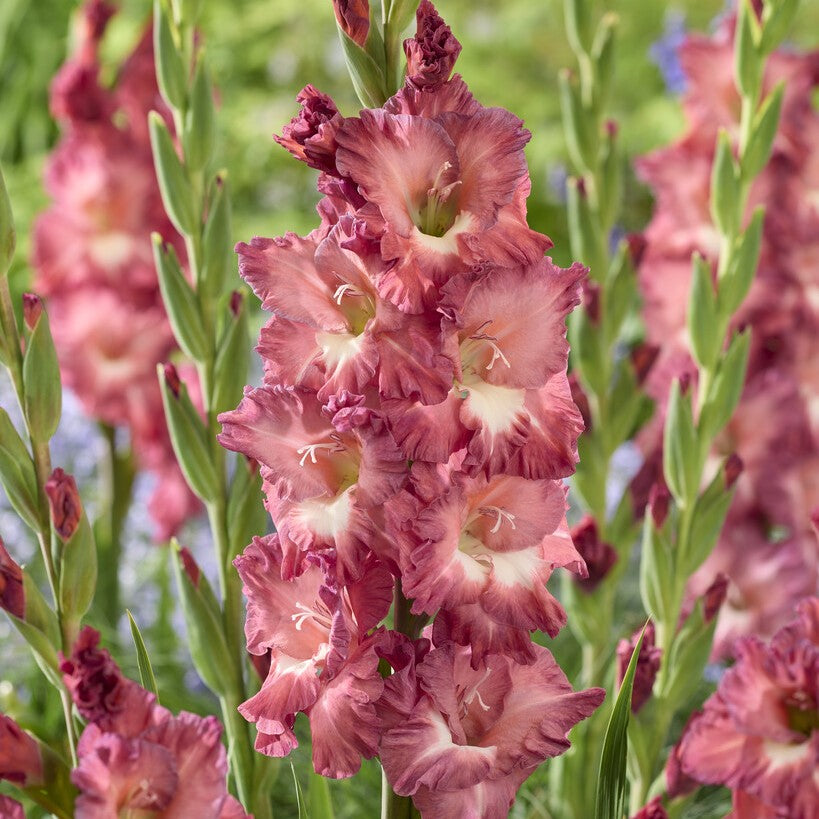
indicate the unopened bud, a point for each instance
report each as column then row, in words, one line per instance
column 12, row 596
column 714, row 597
column 648, row 664
column 353, row 18
column 598, row 556
column 643, row 357
column 636, row 247
column 190, row 566
column 581, row 400
column 21, row 760
column 431, row 54
column 32, row 309
column 611, row 128
column 658, row 501
column 65, row 503
column 236, row 302
column 591, row 300
column 172, row 379
column 732, row 470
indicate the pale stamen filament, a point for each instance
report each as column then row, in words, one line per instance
column 344, row 290
column 309, row 451
column 502, row 514
column 496, row 354
column 467, row 701
column 322, row 618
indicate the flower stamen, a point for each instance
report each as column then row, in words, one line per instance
column 309, row 451
column 502, row 514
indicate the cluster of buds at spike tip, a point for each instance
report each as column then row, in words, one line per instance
column 415, row 424
column 768, row 287
column 93, row 263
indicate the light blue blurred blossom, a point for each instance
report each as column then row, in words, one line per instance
column 665, row 51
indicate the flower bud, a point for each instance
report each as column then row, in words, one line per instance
column 714, row 597
column 11, row 808
column 12, row 597
column 310, row 136
column 21, row 761
column 599, row 556
column 636, row 247
column 643, row 357
column 431, row 54
column 658, row 500
column 353, row 18
column 65, row 503
column 591, row 300
column 581, row 400
column 653, row 810
column 32, row 309
column 732, row 470
column 172, row 378
column 190, row 566
column 648, row 664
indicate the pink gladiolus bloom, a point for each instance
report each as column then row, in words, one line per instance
column 324, row 469
column 461, row 740
column 323, row 661
column 487, row 547
column 20, row 759
column 135, row 756
column 759, row 733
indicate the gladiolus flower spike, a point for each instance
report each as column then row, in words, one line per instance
column 413, row 426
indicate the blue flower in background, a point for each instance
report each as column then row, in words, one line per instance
column 664, row 52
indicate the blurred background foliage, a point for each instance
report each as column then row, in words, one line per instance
column 262, row 52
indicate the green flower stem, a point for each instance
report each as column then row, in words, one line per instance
column 118, row 480
column 405, row 622
column 730, row 193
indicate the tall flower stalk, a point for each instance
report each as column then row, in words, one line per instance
column 675, row 543
column 210, row 326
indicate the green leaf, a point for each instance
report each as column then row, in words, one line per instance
column 368, row 78
column 680, row 457
column 747, row 56
column 707, row 521
column 177, row 193
column 230, row 372
column 656, row 572
column 200, row 127
column 726, row 388
column 17, row 474
column 300, row 803
column 579, row 125
column 763, row 132
column 206, row 639
column 78, row 572
column 602, row 55
column 8, row 235
column 611, row 780
column 245, row 514
column 735, row 284
column 724, row 187
column 180, row 301
column 612, row 177
column 170, row 71
column 218, row 249
column 577, row 15
column 776, row 21
column 146, row 671
column 43, row 649
column 703, row 325
column 318, row 794
column 688, row 657
column 189, row 439
column 584, row 230
column 41, row 377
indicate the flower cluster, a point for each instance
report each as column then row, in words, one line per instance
column 134, row 755
column 759, row 733
column 93, row 259
column 775, row 429
column 412, row 429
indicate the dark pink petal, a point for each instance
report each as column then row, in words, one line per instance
column 491, row 799
column 395, row 160
column 12, row 597
column 20, row 758
column 11, row 808
column 431, row 54
column 200, row 761
column 287, row 432
column 310, row 136
column 432, row 101
column 422, row 752
column 427, row 433
column 117, row 774
column 513, row 323
column 343, row 722
column 283, row 274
